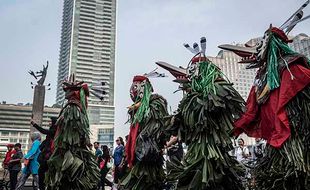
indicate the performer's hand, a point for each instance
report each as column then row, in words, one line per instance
column 32, row 122
column 26, row 162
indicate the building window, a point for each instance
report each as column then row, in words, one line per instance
column 104, row 131
column 5, row 133
column 97, row 55
column 99, row 8
column 13, row 140
column 106, row 136
column 23, row 134
column 14, row 133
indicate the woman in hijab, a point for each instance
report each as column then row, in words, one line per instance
column 31, row 163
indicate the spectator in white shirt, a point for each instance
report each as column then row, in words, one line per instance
column 241, row 152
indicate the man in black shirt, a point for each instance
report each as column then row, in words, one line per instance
column 15, row 165
column 45, row 148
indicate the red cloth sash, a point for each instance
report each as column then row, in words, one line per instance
column 131, row 144
column 269, row 120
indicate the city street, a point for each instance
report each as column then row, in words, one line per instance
column 160, row 95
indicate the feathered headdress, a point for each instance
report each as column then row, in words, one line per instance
column 79, row 91
column 200, row 73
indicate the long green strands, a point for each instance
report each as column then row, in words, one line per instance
column 144, row 108
column 83, row 102
column 204, row 82
column 276, row 48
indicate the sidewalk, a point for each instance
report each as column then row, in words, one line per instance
column 28, row 185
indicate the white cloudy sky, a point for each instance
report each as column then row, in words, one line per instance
column 147, row 31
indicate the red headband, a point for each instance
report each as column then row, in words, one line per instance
column 280, row 34
column 86, row 89
column 139, row 78
column 198, row 59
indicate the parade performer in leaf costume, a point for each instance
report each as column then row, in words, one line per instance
column 72, row 165
column 278, row 108
column 146, row 140
column 205, row 123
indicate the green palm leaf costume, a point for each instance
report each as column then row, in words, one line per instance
column 278, row 110
column 72, row 165
column 205, row 121
column 146, row 139
column 286, row 164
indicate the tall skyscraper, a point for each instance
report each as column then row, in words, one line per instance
column 88, row 49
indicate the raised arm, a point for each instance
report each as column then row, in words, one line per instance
column 40, row 129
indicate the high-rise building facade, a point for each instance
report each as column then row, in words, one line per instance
column 301, row 44
column 236, row 73
column 88, row 50
column 15, row 123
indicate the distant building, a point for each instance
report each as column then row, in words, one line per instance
column 103, row 134
column 236, row 73
column 301, row 44
column 87, row 49
column 15, row 123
